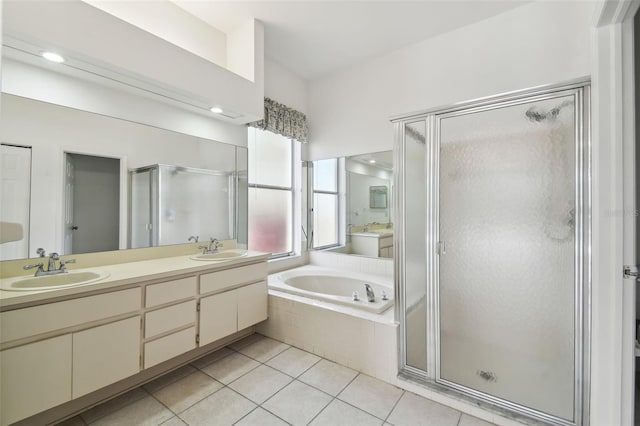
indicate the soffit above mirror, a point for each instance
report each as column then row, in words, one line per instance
column 98, row 43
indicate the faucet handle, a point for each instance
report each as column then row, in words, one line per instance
column 35, row 265
column 63, row 264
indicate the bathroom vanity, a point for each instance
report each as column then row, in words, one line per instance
column 373, row 243
column 145, row 318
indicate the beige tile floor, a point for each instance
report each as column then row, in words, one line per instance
column 260, row 381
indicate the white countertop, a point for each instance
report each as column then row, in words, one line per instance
column 122, row 274
column 373, row 234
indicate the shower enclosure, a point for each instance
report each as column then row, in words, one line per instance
column 171, row 203
column 493, row 266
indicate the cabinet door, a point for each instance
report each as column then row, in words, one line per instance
column 252, row 304
column 167, row 347
column 218, row 316
column 105, row 354
column 35, row 377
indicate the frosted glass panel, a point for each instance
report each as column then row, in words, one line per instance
column 506, row 285
column 415, row 254
column 325, row 175
column 242, row 194
column 270, row 222
column 269, row 158
column 194, row 203
column 141, row 186
column 325, row 215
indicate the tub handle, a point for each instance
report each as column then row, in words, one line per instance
column 356, row 296
column 384, row 295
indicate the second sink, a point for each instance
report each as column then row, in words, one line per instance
column 221, row 255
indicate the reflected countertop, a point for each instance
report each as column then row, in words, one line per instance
column 376, row 233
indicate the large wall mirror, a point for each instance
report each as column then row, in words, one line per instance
column 364, row 222
column 81, row 182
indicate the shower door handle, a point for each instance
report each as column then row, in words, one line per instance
column 631, row 272
column 441, row 248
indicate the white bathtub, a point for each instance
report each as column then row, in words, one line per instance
column 334, row 286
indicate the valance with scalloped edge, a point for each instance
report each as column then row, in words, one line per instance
column 281, row 119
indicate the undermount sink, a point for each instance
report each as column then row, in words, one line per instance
column 221, row 255
column 48, row 282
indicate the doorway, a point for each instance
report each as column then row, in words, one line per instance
column 92, row 203
column 15, row 195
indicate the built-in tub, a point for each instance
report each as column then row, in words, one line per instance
column 335, row 286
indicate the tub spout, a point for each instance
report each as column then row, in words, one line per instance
column 371, row 297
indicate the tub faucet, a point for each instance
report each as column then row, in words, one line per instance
column 371, row 297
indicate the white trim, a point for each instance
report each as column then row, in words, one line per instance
column 611, row 365
column 123, row 228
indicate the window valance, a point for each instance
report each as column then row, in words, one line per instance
column 281, row 119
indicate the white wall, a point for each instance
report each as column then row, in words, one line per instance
column 284, row 86
column 540, row 43
column 92, row 39
column 171, row 23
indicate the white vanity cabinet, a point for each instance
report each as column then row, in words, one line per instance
column 105, row 354
column 58, row 351
column 225, row 312
column 372, row 244
column 35, row 377
column 218, row 316
column 53, row 353
column 170, row 319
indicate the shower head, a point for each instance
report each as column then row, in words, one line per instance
column 177, row 169
column 537, row 116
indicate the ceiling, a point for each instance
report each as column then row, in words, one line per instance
column 315, row 38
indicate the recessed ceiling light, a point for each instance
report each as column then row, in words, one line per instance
column 216, row 110
column 372, row 161
column 53, row 57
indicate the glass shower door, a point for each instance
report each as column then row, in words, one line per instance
column 507, row 287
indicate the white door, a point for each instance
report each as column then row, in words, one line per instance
column 15, row 194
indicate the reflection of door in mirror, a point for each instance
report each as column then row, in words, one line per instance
column 14, row 199
column 92, row 203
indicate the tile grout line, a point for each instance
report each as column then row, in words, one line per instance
column 386, row 419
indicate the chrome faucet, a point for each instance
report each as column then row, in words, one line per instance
column 371, row 296
column 194, row 238
column 212, row 247
column 51, row 267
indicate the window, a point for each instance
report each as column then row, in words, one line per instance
column 270, row 192
column 325, row 203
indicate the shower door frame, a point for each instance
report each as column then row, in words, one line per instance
column 580, row 89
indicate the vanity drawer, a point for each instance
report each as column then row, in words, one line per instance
column 169, row 346
column 169, row 318
column 26, row 322
column 221, row 280
column 386, row 242
column 159, row 294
